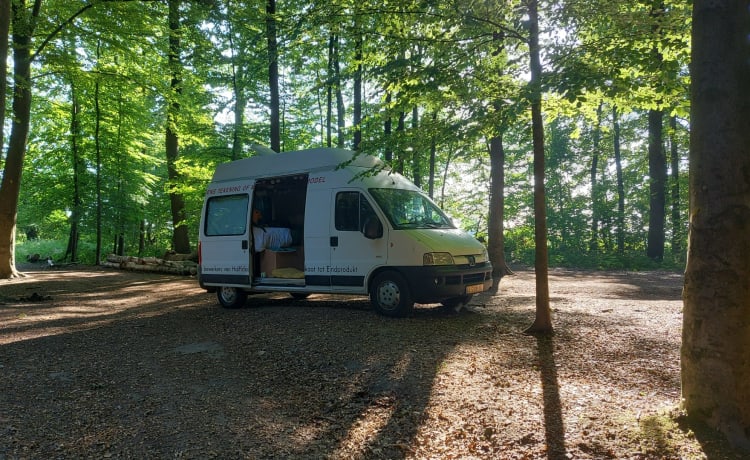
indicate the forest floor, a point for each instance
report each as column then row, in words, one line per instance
column 100, row 363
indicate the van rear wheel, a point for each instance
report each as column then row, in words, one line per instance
column 390, row 295
column 231, row 297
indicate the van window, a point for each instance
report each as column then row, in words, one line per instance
column 226, row 215
column 409, row 209
column 352, row 211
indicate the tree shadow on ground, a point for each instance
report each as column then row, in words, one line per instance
column 715, row 446
column 554, row 430
column 165, row 376
column 150, row 366
column 47, row 303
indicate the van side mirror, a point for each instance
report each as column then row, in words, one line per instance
column 372, row 229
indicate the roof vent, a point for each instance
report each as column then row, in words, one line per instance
column 261, row 149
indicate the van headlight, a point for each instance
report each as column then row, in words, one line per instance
column 437, row 258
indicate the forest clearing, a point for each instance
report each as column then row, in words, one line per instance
column 597, row 135
column 102, row 363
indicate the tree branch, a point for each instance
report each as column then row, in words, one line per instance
column 68, row 21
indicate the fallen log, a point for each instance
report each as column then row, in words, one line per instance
column 151, row 264
column 174, row 256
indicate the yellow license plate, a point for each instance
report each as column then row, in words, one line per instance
column 474, row 288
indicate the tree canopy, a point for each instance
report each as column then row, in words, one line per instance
column 132, row 103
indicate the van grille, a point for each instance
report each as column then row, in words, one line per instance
column 472, row 278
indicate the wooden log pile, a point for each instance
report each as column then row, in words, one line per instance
column 151, row 264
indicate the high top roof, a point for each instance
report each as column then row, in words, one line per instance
column 280, row 164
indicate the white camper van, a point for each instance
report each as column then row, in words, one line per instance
column 331, row 221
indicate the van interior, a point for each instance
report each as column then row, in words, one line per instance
column 278, row 227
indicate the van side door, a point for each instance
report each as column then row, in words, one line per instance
column 354, row 255
column 317, row 232
column 226, row 252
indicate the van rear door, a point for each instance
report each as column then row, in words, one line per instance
column 226, row 252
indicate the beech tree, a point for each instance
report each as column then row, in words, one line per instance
column 180, row 236
column 273, row 75
column 716, row 322
column 4, row 31
column 543, row 319
column 24, row 23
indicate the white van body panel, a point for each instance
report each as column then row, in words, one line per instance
column 309, row 191
column 317, row 230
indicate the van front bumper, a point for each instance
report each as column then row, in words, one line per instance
column 430, row 284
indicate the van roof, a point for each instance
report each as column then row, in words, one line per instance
column 293, row 162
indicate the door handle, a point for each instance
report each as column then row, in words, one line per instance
column 334, row 241
column 244, row 244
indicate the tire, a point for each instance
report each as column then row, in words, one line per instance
column 299, row 295
column 454, row 302
column 231, row 297
column 390, row 296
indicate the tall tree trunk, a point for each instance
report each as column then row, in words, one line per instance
column 595, row 204
column 98, row 150
column 433, row 155
column 543, row 318
column 716, row 319
column 23, row 29
column 416, row 158
column 357, row 103
column 329, row 89
column 388, row 129
column 657, row 166
column 496, row 226
column 5, row 12
column 675, row 189
column 119, row 244
column 340, row 108
column 71, row 252
column 180, row 235
column 400, row 133
column 620, row 184
column 273, row 75
column 240, row 100
column 445, row 177
column 657, row 171
column 98, row 166
column 117, row 177
column 141, row 238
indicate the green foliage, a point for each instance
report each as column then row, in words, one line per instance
column 43, row 247
column 446, row 76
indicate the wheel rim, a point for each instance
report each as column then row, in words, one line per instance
column 229, row 294
column 389, row 295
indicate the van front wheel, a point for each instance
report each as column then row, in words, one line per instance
column 231, row 297
column 390, row 295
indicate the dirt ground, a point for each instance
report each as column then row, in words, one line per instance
column 100, row 363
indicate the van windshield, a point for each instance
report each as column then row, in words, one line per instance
column 409, row 209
